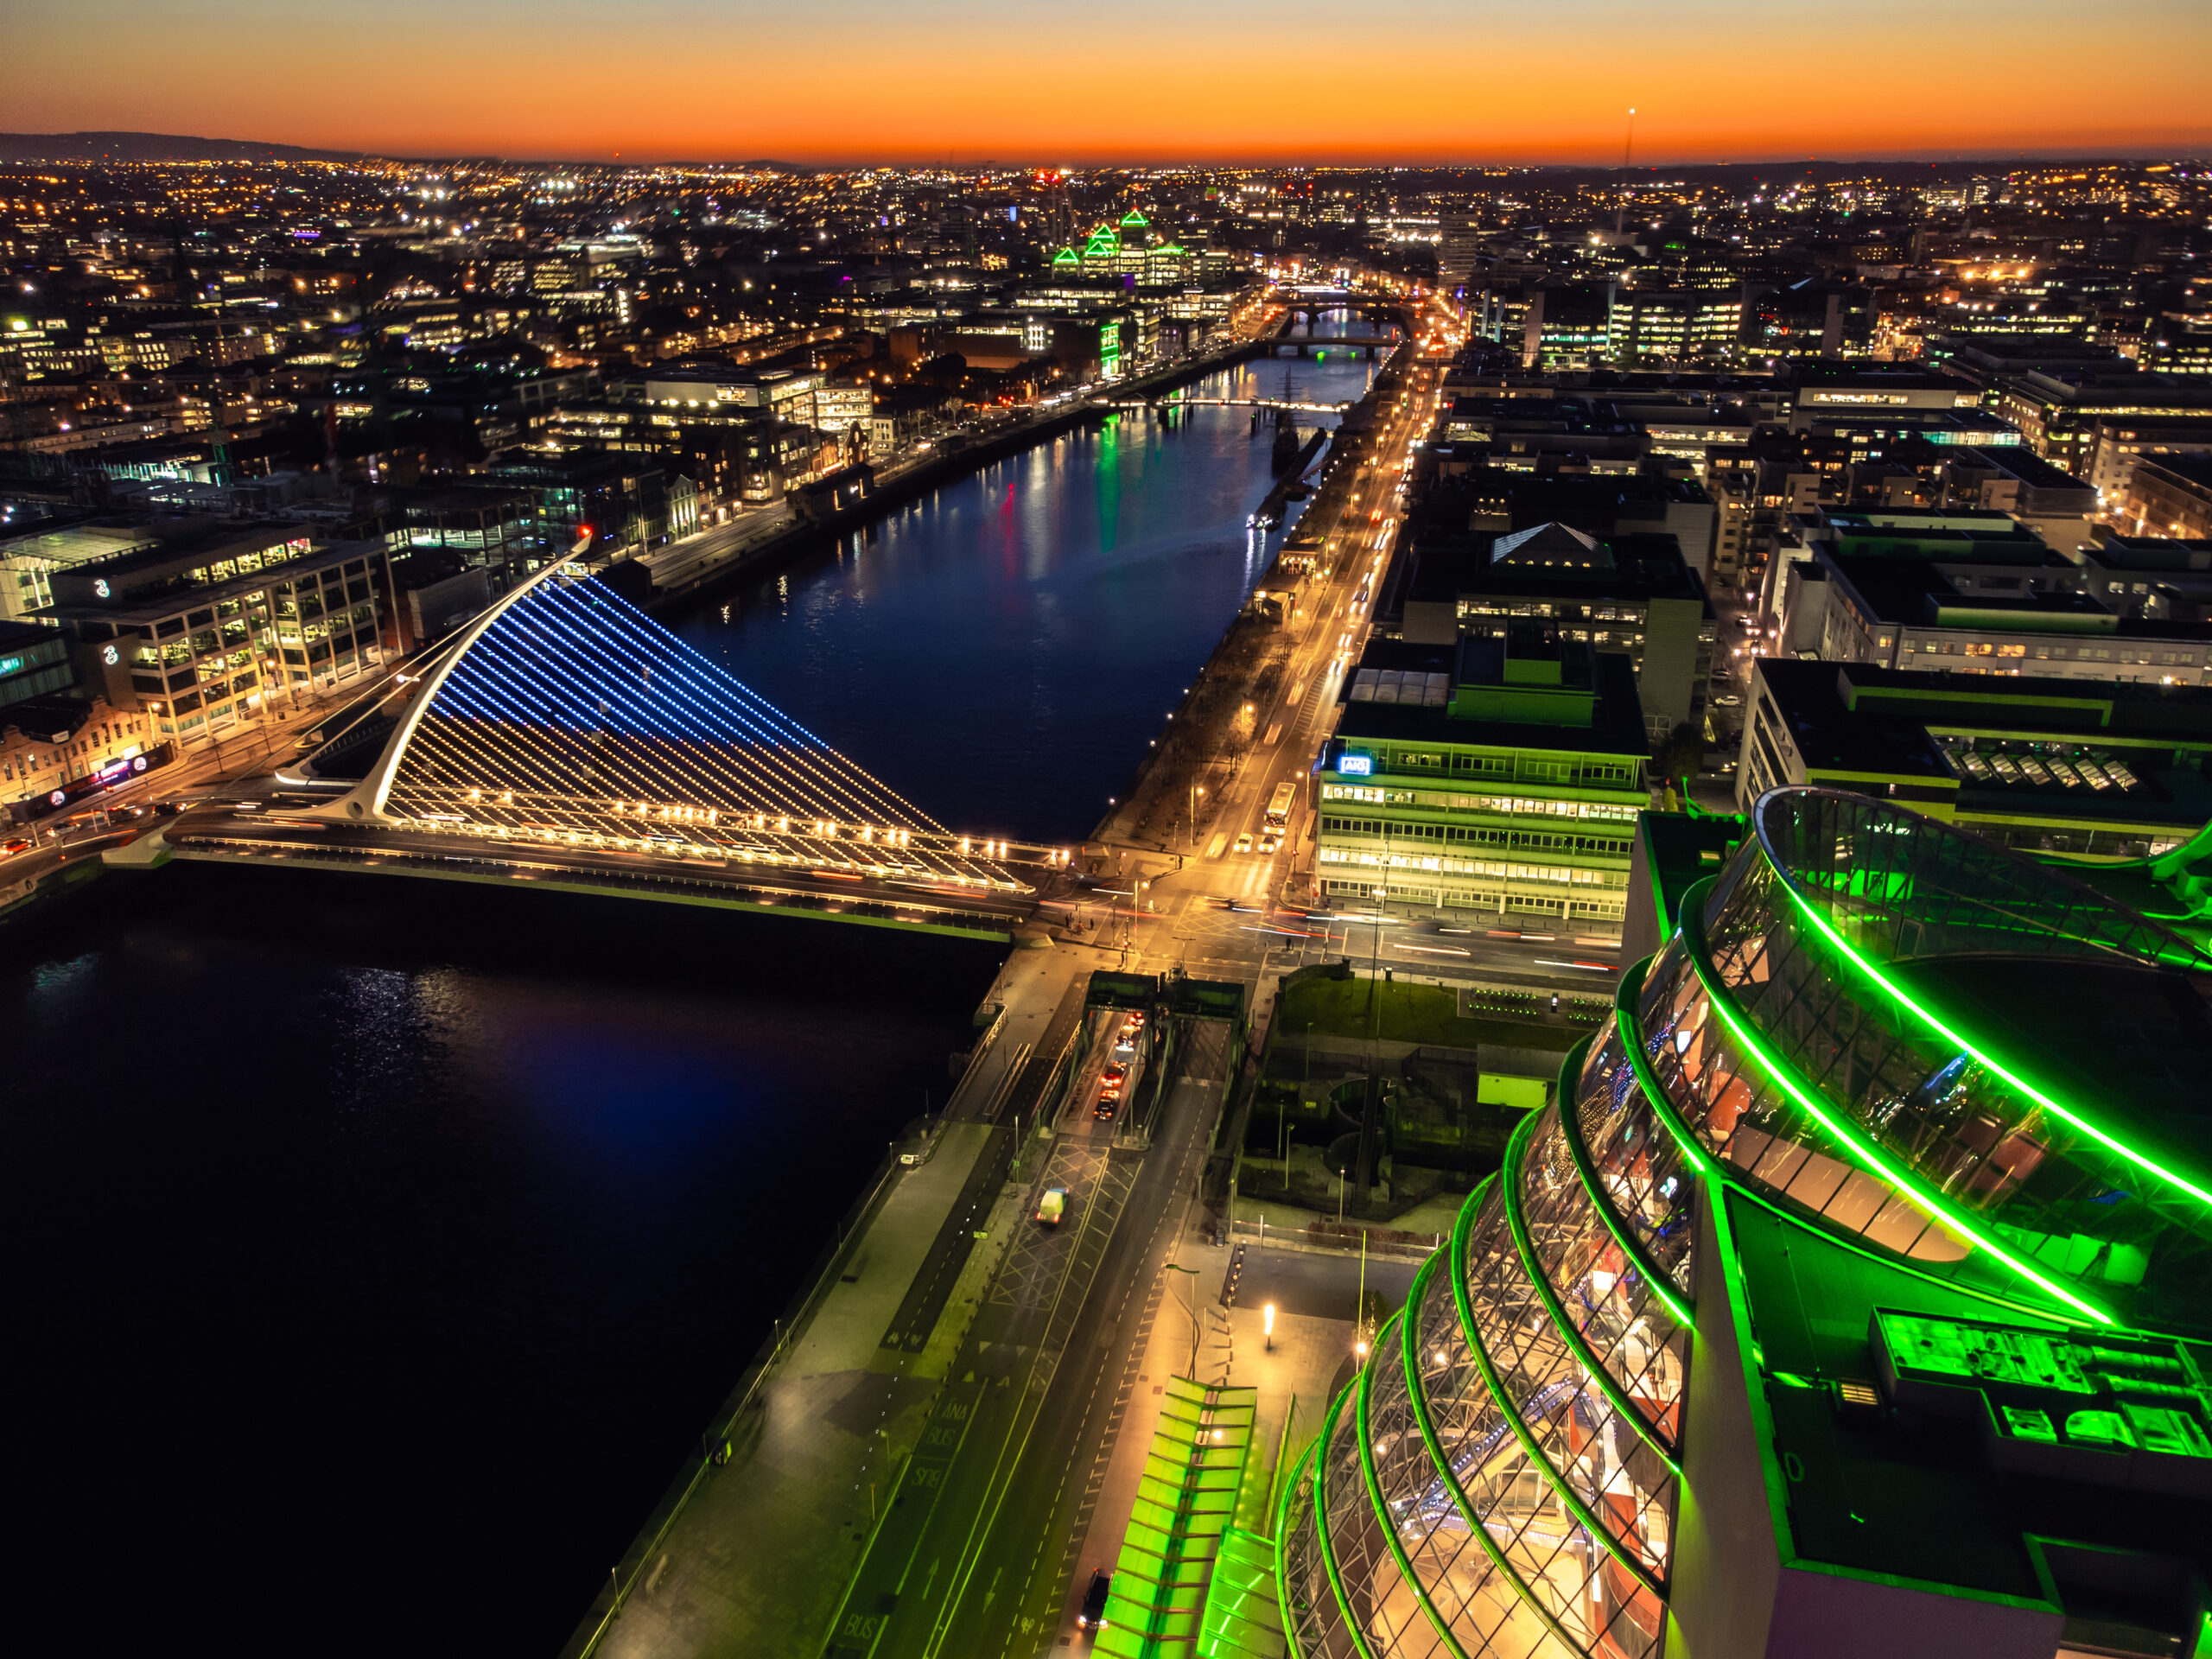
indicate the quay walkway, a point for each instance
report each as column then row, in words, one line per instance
column 752, row 1549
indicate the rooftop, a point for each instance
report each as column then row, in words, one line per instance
column 1535, row 676
column 1905, row 1492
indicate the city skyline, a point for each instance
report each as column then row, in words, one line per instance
column 869, row 82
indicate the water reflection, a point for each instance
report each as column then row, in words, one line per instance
column 1001, row 653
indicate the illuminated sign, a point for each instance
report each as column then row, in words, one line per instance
column 109, row 655
column 1355, row 765
column 100, row 587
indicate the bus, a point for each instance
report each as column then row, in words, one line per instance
column 1279, row 808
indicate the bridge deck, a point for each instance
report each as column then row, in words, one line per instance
column 220, row 836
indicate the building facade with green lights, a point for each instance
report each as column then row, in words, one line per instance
column 1491, row 775
column 1851, row 1301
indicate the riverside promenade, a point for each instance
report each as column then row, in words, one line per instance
column 750, row 1551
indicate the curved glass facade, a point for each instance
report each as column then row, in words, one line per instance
column 1502, row 1477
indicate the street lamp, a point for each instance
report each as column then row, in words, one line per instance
column 1268, row 1325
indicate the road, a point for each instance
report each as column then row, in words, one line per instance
column 219, row 826
column 985, row 1570
column 991, row 1571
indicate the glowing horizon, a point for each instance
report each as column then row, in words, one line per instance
column 854, row 81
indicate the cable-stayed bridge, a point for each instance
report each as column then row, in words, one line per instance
column 566, row 732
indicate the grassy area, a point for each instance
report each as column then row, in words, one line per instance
column 1348, row 1007
column 1428, row 1015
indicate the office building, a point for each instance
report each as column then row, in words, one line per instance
column 1628, row 594
column 1491, row 775
column 2170, row 495
column 2112, row 771
column 1849, row 1303
column 2040, row 621
column 223, row 628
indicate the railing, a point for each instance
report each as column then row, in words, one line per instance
column 1333, row 1236
column 715, row 1443
column 616, row 880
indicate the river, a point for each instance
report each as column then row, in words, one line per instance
column 379, row 1247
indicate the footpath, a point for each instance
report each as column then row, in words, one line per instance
column 751, row 1551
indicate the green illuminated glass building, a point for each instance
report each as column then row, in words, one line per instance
column 1851, row 1301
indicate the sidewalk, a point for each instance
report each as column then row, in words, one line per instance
column 1293, row 1378
column 756, row 1561
column 743, row 1569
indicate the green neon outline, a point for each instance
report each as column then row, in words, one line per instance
column 1283, row 1551
column 1409, row 1347
column 1629, row 1020
column 1683, row 1309
column 1321, row 1522
column 1577, row 1343
column 1928, row 1018
column 1631, row 983
column 1693, row 933
column 1380, row 1505
column 1507, row 1409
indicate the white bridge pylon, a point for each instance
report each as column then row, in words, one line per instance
column 566, row 718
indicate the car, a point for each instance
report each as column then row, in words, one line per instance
column 1093, row 1616
column 1269, row 842
column 1728, row 702
column 1053, row 1205
column 9, row 849
column 1132, row 1020
column 1106, row 1106
column 1115, row 1075
column 1244, row 842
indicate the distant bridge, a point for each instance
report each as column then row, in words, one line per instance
column 567, row 737
column 1177, row 400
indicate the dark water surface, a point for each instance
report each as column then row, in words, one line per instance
column 377, row 1247
column 1002, row 651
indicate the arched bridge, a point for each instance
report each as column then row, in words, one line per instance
column 567, row 733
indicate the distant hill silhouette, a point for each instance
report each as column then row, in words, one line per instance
column 152, row 146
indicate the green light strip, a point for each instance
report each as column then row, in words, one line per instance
column 1584, row 1356
column 1321, row 1524
column 1380, row 1505
column 1410, row 1348
column 1553, row 1478
column 1632, row 1247
column 1626, row 991
column 1630, row 986
column 1935, row 1023
column 1848, row 1133
column 1289, row 1616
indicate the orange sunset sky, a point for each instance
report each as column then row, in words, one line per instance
column 1411, row 80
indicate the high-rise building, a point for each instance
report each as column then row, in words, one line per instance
column 1851, row 1300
